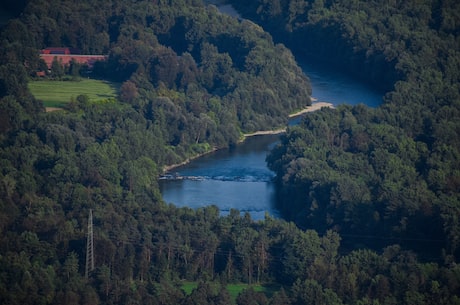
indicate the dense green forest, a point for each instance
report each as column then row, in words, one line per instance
column 388, row 171
column 373, row 194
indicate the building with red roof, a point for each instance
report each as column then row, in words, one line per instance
column 65, row 56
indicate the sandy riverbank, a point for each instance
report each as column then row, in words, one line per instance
column 264, row 132
column 168, row 168
column 314, row 107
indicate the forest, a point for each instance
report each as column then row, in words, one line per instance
column 392, row 169
column 370, row 197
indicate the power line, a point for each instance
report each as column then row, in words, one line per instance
column 89, row 246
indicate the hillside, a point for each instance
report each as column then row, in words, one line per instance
column 193, row 79
column 392, row 170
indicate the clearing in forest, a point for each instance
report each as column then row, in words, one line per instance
column 236, row 288
column 55, row 94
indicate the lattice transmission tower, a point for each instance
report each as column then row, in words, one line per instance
column 89, row 246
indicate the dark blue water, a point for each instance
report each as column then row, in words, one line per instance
column 238, row 178
column 329, row 85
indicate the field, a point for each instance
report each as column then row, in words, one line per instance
column 235, row 289
column 55, row 94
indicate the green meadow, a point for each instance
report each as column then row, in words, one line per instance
column 235, row 289
column 57, row 93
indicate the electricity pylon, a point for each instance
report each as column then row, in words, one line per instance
column 89, row 246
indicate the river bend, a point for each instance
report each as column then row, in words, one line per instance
column 238, row 178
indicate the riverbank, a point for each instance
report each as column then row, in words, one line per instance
column 314, row 107
column 263, row 132
column 168, row 168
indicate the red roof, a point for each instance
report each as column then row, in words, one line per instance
column 61, row 51
column 65, row 59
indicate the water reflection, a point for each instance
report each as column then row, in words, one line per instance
column 236, row 178
column 239, row 178
column 337, row 87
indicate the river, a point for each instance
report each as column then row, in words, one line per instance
column 235, row 178
column 239, row 178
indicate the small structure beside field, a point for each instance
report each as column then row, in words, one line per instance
column 65, row 56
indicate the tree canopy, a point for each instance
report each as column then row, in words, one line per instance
column 192, row 79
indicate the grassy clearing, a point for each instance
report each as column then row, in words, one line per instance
column 235, row 289
column 188, row 287
column 58, row 93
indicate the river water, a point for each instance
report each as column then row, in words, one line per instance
column 238, row 178
column 235, row 178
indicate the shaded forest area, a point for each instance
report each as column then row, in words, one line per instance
column 193, row 79
column 388, row 171
column 385, row 175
